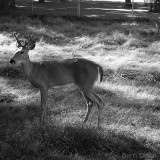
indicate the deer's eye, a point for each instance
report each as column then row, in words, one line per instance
column 21, row 52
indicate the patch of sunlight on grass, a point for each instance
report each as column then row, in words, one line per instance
column 129, row 24
column 25, row 97
column 154, row 48
column 19, row 95
column 148, row 133
column 39, row 29
column 85, row 41
column 45, row 31
column 88, row 45
column 7, row 93
column 5, row 38
column 133, row 43
column 120, row 128
column 45, row 51
column 131, row 92
column 119, row 61
column 5, row 87
column 3, row 82
column 7, row 44
column 115, row 60
column 73, row 117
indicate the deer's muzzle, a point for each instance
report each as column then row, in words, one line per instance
column 12, row 61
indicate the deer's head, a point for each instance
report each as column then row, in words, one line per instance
column 22, row 54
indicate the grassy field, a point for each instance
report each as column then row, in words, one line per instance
column 128, row 51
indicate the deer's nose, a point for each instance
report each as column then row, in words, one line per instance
column 12, row 61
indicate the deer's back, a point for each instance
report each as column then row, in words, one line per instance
column 67, row 71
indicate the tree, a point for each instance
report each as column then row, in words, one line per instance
column 128, row 1
column 6, row 5
column 154, row 6
column 12, row 4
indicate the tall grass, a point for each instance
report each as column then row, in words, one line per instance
column 128, row 52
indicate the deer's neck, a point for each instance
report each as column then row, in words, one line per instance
column 27, row 66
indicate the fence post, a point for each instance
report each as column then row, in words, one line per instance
column 132, row 8
column 32, row 7
column 78, row 8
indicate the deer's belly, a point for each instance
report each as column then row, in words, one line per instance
column 62, row 86
column 34, row 84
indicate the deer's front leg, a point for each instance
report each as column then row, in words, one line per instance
column 44, row 94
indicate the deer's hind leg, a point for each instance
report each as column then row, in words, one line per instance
column 90, row 98
column 44, row 94
column 99, row 103
column 89, row 103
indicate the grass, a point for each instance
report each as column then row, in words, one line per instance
column 128, row 52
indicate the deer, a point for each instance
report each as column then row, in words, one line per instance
column 78, row 71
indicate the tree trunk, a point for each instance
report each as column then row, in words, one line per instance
column 42, row 1
column 128, row 3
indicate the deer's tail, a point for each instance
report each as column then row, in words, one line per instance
column 100, row 73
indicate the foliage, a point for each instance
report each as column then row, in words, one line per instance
column 154, row 6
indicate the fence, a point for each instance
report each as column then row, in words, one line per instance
column 75, row 8
column 50, row 7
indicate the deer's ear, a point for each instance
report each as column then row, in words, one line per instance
column 31, row 45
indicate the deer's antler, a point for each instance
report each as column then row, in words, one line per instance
column 18, row 41
column 29, row 40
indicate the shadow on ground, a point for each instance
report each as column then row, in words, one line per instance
column 21, row 136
